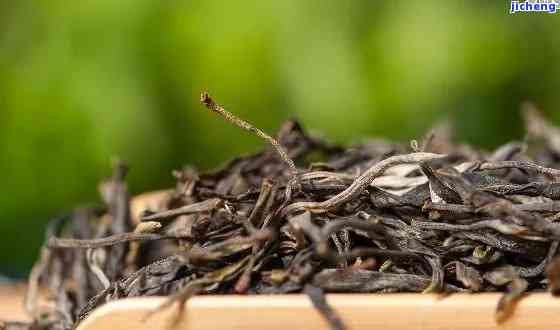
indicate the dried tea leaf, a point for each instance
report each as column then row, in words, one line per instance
column 318, row 300
column 508, row 301
column 370, row 218
column 469, row 276
column 553, row 276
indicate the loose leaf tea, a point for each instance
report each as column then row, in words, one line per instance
column 307, row 216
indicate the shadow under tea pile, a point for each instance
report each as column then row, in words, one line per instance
column 377, row 217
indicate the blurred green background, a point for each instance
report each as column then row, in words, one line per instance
column 84, row 81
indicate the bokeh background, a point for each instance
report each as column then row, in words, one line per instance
column 82, row 82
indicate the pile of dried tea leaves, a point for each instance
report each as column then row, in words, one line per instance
column 432, row 217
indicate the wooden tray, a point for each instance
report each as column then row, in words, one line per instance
column 359, row 311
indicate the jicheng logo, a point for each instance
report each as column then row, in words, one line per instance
column 549, row 6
